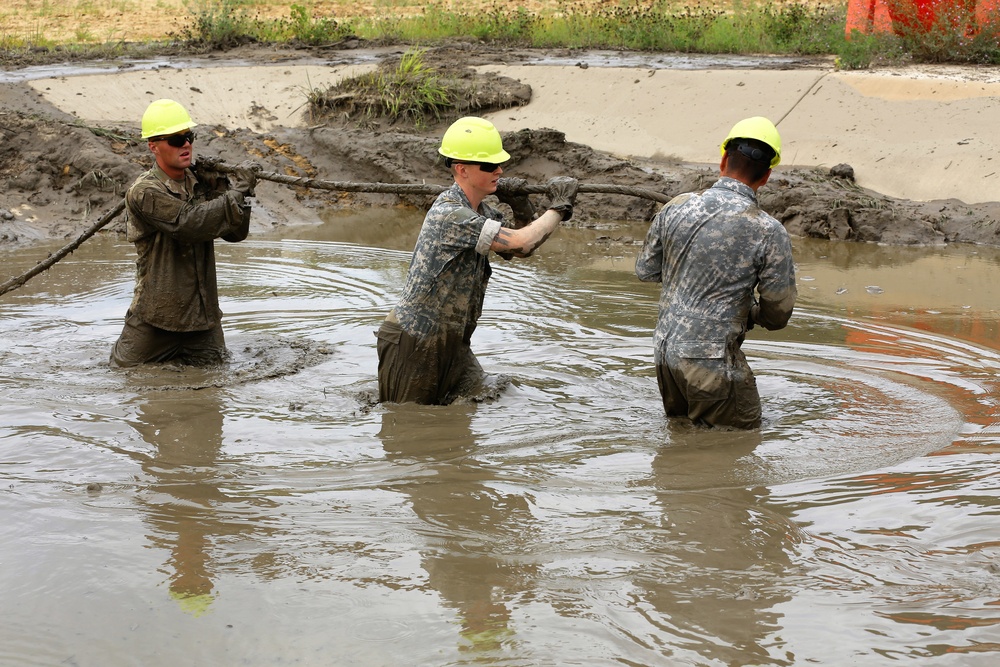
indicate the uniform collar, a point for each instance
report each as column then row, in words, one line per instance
column 184, row 187
column 457, row 189
column 736, row 186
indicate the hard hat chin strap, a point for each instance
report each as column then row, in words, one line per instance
column 754, row 153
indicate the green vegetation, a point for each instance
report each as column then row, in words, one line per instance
column 663, row 25
column 221, row 24
column 794, row 27
column 789, row 28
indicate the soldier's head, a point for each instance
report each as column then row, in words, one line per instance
column 166, row 126
column 473, row 151
column 750, row 150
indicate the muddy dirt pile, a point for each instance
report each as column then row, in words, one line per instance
column 57, row 175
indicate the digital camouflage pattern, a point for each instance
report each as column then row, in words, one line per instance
column 711, row 251
column 446, row 282
column 424, row 353
column 173, row 225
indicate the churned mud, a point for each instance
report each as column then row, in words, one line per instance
column 263, row 357
column 57, row 175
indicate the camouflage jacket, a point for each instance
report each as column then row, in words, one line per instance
column 173, row 225
column 446, row 282
column 711, row 251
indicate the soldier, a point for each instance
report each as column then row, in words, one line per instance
column 424, row 353
column 711, row 251
column 173, row 219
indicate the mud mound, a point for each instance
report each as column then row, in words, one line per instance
column 409, row 90
column 819, row 204
column 56, row 175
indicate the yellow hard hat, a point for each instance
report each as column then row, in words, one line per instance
column 474, row 140
column 758, row 128
column 165, row 117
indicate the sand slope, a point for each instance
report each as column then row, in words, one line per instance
column 920, row 134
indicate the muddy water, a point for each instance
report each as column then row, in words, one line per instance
column 265, row 514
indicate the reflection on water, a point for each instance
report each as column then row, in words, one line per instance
column 470, row 523
column 266, row 514
column 186, row 504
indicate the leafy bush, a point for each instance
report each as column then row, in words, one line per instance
column 220, row 24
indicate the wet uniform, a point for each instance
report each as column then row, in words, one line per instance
column 175, row 310
column 710, row 251
column 424, row 344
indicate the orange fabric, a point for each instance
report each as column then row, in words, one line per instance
column 923, row 14
column 868, row 16
column 987, row 11
column 880, row 16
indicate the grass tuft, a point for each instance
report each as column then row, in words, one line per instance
column 410, row 90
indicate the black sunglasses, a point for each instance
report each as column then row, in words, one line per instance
column 488, row 167
column 177, row 140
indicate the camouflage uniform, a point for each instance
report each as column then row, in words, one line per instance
column 710, row 251
column 424, row 344
column 175, row 310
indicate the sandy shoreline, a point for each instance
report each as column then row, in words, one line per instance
column 916, row 133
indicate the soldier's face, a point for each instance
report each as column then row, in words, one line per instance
column 484, row 182
column 172, row 159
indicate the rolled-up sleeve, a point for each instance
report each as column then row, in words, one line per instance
column 490, row 230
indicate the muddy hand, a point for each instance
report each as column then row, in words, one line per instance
column 207, row 162
column 510, row 191
column 562, row 194
column 245, row 177
column 205, row 170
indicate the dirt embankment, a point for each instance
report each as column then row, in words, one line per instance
column 57, row 176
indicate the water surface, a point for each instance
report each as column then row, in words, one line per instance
column 266, row 514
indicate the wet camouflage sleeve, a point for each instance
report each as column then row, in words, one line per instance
column 446, row 283
column 711, row 251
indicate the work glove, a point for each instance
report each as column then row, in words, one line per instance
column 562, row 194
column 245, row 177
column 205, row 163
column 209, row 179
column 510, row 192
column 754, row 309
